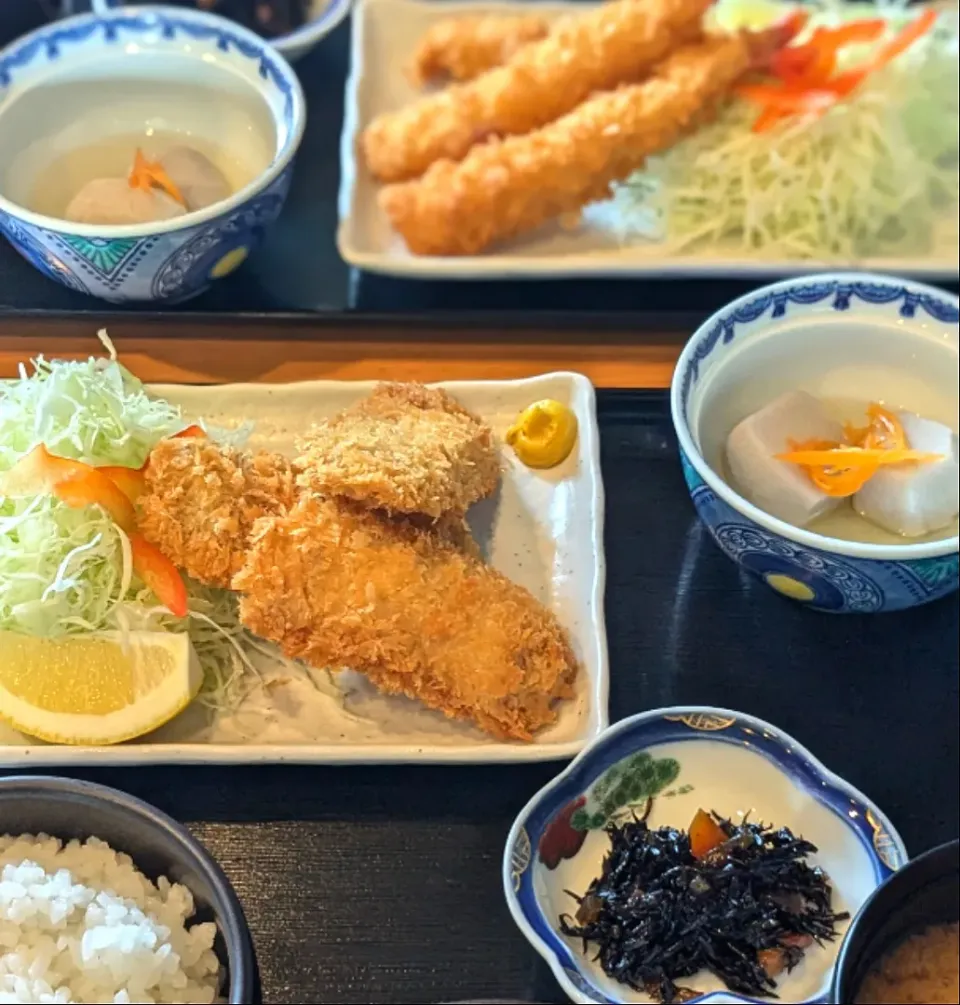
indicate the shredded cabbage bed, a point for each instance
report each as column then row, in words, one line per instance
column 66, row 570
column 877, row 174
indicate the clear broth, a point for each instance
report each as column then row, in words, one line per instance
column 846, row 365
column 60, row 135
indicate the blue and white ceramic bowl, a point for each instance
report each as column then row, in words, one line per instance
column 128, row 72
column 324, row 16
column 688, row 758
column 842, row 335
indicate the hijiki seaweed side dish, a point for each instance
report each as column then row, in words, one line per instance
column 737, row 900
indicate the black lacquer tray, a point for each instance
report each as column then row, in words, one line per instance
column 380, row 885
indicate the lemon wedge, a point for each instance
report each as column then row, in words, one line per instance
column 732, row 15
column 95, row 689
column 544, row 434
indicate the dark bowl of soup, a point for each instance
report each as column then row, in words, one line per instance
column 903, row 944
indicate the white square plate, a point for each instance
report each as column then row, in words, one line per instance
column 544, row 530
column 385, row 36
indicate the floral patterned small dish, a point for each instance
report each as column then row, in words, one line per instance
column 843, row 336
column 683, row 759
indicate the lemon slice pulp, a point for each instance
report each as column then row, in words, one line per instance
column 755, row 15
column 95, row 689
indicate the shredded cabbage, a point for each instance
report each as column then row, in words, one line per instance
column 222, row 644
column 93, row 411
column 877, row 174
column 66, row 571
column 62, row 570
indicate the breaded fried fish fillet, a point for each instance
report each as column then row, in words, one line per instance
column 585, row 52
column 405, row 448
column 341, row 586
column 461, row 48
column 202, row 500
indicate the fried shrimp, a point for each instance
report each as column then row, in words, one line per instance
column 341, row 586
column 511, row 186
column 593, row 51
column 202, row 500
column 461, row 48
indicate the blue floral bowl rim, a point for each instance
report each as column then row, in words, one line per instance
column 854, row 549
column 790, row 752
column 317, row 26
column 159, row 12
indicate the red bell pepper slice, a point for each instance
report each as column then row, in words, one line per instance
column 72, row 482
column 78, row 485
column 810, row 83
column 813, row 63
column 781, row 102
column 189, row 431
column 160, row 575
column 132, row 482
column 765, row 44
column 844, row 83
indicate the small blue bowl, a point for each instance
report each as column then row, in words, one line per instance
column 133, row 71
column 688, row 758
column 322, row 17
column 916, row 327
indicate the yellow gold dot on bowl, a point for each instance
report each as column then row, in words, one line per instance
column 230, row 261
column 790, row 587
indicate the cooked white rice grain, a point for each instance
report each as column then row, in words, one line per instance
column 79, row 923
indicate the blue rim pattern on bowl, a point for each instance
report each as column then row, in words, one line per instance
column 50, row 43
column 820, row 579
column 687, row 723
column 815, row 291
column 307, row 34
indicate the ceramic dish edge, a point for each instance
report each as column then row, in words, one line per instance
column 596, row 690
column 507, row 265
column 882, row 830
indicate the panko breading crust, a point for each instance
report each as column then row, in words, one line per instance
column 507, row 187
column 593, row 50
column 339, row 586
column 405, row 448
column 202, row 500
column 463, row 47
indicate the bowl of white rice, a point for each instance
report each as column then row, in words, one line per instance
column 104, row 899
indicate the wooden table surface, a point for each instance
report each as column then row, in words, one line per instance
column 212, row 351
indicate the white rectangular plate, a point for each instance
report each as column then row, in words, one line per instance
column 385, row 35
column 543, row 529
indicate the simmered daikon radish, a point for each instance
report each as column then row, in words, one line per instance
column 200, row 181
column 113, row 201
column 782, row 490
column 915, row 499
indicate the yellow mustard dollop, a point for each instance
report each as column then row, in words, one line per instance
column 544, row 434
